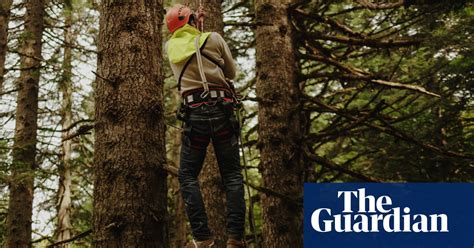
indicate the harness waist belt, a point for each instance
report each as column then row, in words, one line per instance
column 192, row 97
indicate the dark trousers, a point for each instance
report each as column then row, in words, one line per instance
column 207, row 123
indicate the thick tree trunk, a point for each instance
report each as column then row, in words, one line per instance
column 24, row 147
column 5, row 6
column 279, row 121
column 179, row 238
column 213, row 21
column 130, row 189
column 179, row 218
column 211, row 184
column 64, row 227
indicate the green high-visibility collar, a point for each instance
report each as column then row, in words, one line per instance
column 181, row 44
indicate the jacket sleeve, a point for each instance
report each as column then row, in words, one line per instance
column 229, row 64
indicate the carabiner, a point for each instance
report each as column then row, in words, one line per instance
column 204, row 94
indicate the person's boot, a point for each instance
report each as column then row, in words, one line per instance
column 234, row 243
column 200, row 244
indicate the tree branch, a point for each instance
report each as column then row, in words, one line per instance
column 381, row 6
column 336, row 25
column 330, row 165
column 359, row 74
column 84, row 129
column 79, row 236
column 388, row 129
column 369, row 42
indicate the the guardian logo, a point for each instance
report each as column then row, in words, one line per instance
column 389, row 215
column 374, row 215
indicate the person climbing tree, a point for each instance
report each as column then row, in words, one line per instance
column 202, row 64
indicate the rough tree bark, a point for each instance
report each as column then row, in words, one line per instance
column 280, row 124
column 211, row 183
column 178, row 220
column 64, row 227
column 180, row 223
column 5, row 6
column 130, row 188
column 24, row 147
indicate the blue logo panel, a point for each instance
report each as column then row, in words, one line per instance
column 389, row 215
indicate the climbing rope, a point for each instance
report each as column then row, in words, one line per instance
column 201, row 18
column 201, row 68
column 239, row 115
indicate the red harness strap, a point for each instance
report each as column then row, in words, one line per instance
column 193, row 98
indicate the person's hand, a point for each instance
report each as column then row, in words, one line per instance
column 200, row 13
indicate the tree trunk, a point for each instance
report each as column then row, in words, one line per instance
column 179, row 238
column 24, row 147
column 179, row 218
column 279, row 119
column 64, row 227
column 130, row 189
column 5, row 6
column 211, row 183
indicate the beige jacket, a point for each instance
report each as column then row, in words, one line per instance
column 215, row 49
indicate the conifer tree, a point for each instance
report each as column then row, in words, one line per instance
column 130, row 188
column 279, row 124
column 24, row 148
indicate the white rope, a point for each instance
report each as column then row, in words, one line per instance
column 200, row 67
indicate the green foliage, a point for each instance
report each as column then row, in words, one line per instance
column 389, row 134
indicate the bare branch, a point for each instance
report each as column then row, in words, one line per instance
column 81, row 131
column 330, row 165
column 389, row 129
column 359, row 74
column 79, row 236
column 369, row 42
column 381, row 6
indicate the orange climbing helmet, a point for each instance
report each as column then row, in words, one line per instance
column 177, row 17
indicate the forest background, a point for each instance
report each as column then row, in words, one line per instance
column 334, row 91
